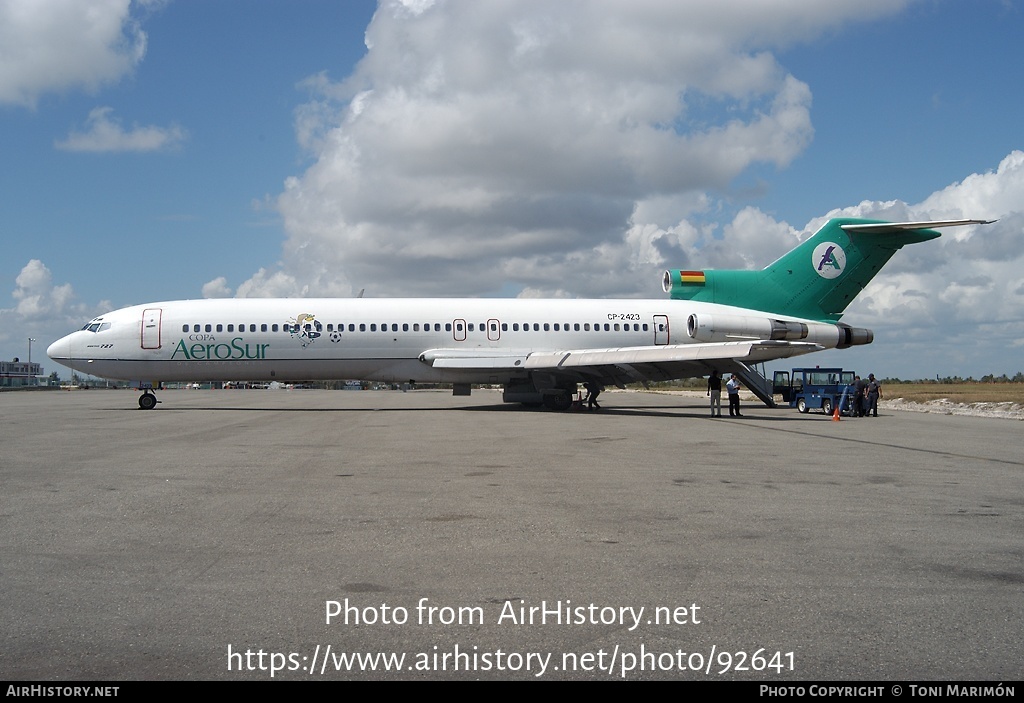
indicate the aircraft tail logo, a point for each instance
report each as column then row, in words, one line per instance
column 829, row 260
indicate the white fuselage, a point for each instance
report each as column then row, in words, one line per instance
column 369, row 339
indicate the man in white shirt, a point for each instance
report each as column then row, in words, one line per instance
column 733, row 387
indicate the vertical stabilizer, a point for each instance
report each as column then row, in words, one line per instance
column 816, row 280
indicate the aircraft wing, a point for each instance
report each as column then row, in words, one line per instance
column 618, row 366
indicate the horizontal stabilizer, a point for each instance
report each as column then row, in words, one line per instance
column 892, row 227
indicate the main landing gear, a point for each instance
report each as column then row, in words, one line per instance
column 560, row 401
column 147, row 401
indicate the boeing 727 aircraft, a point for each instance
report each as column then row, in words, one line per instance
column 539, row 350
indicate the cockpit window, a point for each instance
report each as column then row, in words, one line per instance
column 96, row 326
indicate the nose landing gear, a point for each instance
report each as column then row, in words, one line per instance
column 147, row 401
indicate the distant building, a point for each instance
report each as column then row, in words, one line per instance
column 19, row 373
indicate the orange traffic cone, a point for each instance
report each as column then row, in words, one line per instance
column 835, row 414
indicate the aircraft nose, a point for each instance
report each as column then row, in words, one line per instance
column 61, row 349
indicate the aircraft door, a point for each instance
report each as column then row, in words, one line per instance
column 493, row 330
column 151, row 318
column 661, row 330
column 459, row 330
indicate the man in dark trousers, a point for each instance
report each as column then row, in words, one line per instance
column 733, row 386
column 874, row 393
column 715, row 393
column 859, row 396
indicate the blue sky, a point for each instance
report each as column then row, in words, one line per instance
column 169, row 149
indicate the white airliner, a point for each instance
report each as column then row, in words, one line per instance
column 539, row 350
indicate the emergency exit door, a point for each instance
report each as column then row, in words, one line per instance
column 151, row 328
column 661, row 331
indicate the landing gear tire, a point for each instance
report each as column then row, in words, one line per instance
column 147, row 401
column 558, row 401
column 826, row 406
column 801, row 405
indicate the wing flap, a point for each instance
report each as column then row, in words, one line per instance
column 668, row 353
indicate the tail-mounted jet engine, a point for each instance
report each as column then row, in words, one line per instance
column 729, row 328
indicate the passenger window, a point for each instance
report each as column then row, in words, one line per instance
column 209, row 328
column 220, row 328
column 195, row 328
column 263, row 328
column 273, row 327
column 184, row 328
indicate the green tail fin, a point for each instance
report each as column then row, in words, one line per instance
column 818, row 279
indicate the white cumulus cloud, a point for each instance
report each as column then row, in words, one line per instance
column 104, row 133
column 483, row 146
column 217, row 288
column 57, row 45
column 41, row 309
column 35, row 293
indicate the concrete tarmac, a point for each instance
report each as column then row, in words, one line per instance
column 210, row 538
